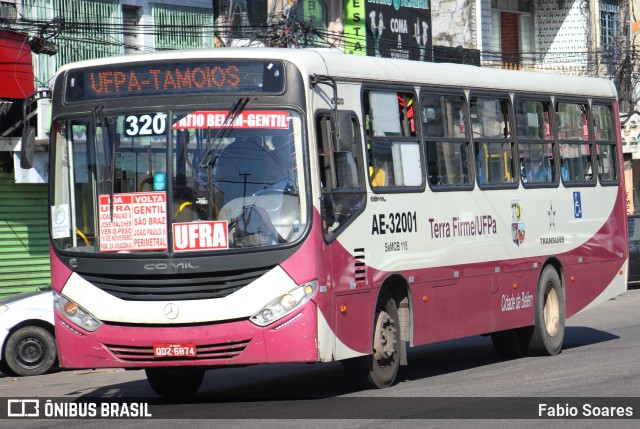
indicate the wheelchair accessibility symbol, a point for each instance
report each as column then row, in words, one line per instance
column 577, row 205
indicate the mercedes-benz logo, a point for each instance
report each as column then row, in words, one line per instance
column 171, row 311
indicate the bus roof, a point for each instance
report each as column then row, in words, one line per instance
column 338, row 65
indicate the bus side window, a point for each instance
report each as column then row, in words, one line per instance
column 575, row 146
column 494, row 144
column 393, row 150
column 446, row 145
column 535, row 146
column 607, row 158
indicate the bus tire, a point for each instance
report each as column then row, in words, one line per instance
column 379, row 369
column 385, row 361
column 548, row 331
column 175, row 382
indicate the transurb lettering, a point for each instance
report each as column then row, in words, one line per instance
column 475, row 227
column 559, row 239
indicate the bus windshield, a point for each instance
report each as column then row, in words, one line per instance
column 178, row 181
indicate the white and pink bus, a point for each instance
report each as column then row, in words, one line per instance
column 223, row 207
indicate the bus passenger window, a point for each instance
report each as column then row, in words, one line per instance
column 493, row 144
column 446, row 144
column 535, row 146
column 607, row 158
column 575, row 147
column 393, row 150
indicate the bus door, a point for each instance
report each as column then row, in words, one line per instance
column 342, row 199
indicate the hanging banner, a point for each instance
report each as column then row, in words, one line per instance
column 635, row 29
column 355, row 37
column 16, row 69
column 628, row 184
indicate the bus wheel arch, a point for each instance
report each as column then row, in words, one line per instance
column 385, row 360
column 390, row 329
column 398, row 288
column 546, row 333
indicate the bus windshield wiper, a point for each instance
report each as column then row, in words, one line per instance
column 214, row 149
column 210, row 157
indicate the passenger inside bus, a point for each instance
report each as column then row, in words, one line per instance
column 535, row 171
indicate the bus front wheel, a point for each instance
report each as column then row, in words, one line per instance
column 548, row 331
column 379, row 369
column 174, row 382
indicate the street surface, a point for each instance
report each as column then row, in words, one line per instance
column 599, row 362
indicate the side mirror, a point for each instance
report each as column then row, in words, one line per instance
column 343, row 141
column 27, row 147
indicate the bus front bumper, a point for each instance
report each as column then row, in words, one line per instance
column 291, row 339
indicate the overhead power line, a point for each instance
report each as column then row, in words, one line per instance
column 292, row 32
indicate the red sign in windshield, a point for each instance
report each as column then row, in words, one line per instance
column 271, row 119
column 135, row 221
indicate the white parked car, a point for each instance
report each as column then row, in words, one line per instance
column 27, row 338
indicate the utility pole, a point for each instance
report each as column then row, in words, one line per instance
column 244, row 187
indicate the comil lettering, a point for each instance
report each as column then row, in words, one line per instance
column 200, row 236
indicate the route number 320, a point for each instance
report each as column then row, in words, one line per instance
column 145, row 125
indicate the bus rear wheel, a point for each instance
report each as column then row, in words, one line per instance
column 175, row 382
column 548, row 331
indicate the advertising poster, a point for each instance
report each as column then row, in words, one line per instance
column 389, row 28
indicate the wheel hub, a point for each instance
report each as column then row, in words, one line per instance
column 385, row 338
column 551, row 312
column 29, row 352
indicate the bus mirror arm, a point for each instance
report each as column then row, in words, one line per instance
column 28, row 142
column 342, row 135
column 27, row 147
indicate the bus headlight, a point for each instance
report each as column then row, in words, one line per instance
column 75, row 314
column 285, row 304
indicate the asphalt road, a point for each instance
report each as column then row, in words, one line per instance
column 461, row 383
